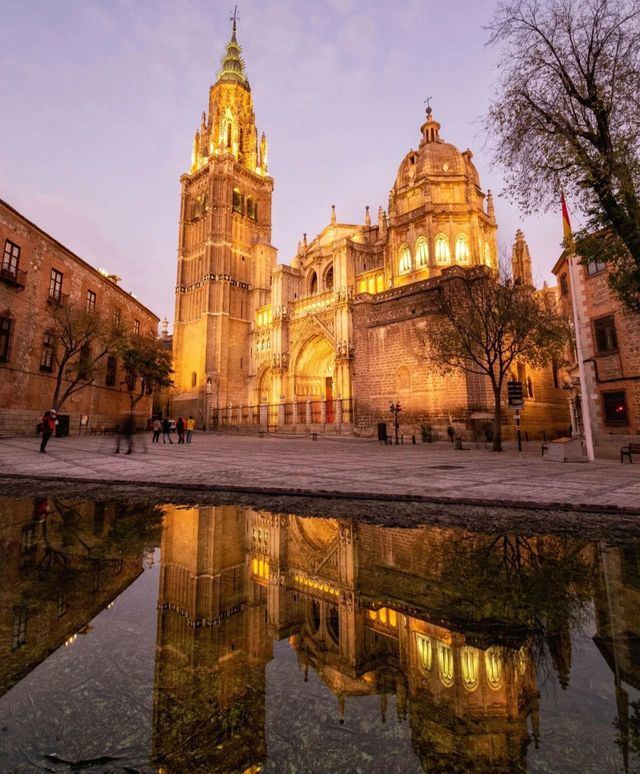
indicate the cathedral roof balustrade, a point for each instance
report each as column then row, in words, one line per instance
column 313, row 304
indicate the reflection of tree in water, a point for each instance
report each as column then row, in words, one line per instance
column 77, row 539
column 534, row 589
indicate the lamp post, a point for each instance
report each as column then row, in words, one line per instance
column 395, row 409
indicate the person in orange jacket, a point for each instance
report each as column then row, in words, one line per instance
column 49, row 423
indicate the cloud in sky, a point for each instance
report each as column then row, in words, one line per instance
column 100, row 101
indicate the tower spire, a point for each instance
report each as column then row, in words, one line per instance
column 232, row 63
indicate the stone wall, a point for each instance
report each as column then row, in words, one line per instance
column 390, row 365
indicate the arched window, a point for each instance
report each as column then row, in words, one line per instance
column 238, row 201
column 445, row 664
column 487, row 254
column 462, row 249
column 443, row 254
column 422, row 253
column 405, row 260
column 313, row 282
column 493, row 668
column 228, row 135
column 425, row 652
column 194, row 379
column 252, row 211
column 328, row 278
column 469, row 665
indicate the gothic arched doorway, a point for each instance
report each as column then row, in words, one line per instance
column 314, row 373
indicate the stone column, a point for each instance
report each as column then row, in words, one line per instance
column 219, row 413
column 295, row 411
column 338, row 404
column 308, row 412
column 281, row 412
column 229, row 414
column 323, row 412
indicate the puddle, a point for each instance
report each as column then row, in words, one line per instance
column 226, row 639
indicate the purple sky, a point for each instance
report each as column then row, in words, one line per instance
column 99, row 102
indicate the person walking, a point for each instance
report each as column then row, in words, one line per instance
column 191, row 426
column 180, row 429
column 166, row 430
column 127, row 426
column 156, row 426
column 49, row 423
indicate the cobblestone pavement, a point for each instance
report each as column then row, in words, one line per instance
column 340, row 466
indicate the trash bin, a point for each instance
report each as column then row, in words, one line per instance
column 62, row 428
column 382, row 432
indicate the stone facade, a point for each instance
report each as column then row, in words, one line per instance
column 326, row 342
column 610, row 336
column 27, row 373
column 366, row 608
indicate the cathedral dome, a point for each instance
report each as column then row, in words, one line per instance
column 434, row 158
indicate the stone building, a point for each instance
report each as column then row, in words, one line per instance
column 610, row 336
column 327, row 341
column 61, row 563
column 38, row 275
column 367, row 608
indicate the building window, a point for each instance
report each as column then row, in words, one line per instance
column 5, row 338
column 425, row 652
column 19, row 629
column 615, row 408
column 328, row 278
column 136, row 327
column 443, row 254
column 194, row 379
column 238, row 201
column 11, row 257
column 487, row 254
column 405, row 260
column 313, row 283
column 91, row 301
column 462, row 249
column 252, row 209
column 55, row 285
column 112, row 367
column 117, row 316
column 564, row 284
column 422, row 253
column 605, row 335
column 48, row 351
column 595, row 267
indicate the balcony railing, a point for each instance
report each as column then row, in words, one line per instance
column 58, row 299
column 13, row 276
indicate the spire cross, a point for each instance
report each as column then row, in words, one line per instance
column 235, row 17
column 427, row 101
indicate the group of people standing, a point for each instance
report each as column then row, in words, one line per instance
column 183, row 427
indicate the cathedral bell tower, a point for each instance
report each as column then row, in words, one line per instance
column 225, row 254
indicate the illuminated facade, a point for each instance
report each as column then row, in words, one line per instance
column 364, row 607
column 329, row 339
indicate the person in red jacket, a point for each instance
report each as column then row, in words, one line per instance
column 48, row 426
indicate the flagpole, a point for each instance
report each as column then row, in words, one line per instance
column 584, row 394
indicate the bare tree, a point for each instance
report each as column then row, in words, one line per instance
column 81, row 340
column 567, row 116
column 486, row 325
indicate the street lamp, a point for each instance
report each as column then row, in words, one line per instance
column 395, row 409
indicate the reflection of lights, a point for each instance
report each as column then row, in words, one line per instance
column 71, row 640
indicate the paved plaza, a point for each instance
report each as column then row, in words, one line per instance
column 333, row 466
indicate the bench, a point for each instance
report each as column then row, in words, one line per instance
column 627, row 451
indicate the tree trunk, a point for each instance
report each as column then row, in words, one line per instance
column 497, row 417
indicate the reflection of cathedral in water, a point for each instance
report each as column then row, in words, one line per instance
column 361, row 607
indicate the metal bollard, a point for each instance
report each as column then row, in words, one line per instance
column 314, row 436
column 413, row 439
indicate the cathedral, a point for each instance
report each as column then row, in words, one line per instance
column 328, row 340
